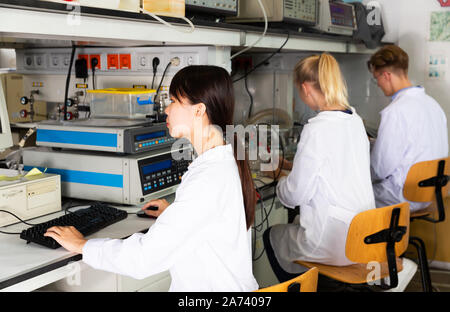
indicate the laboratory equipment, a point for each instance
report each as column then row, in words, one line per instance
column 5, row 130
column 125, row 5
column 86, row 221
column 24, row 101
column 109, row 135
column 302, row 12
column 130, row 103
column 172, row 8
column 108, row 177
column 213, row 7
column 336, row 17
column 28, row 196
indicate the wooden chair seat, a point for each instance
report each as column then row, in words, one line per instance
column 424, row 212
column 307, row 282
column 352, row 274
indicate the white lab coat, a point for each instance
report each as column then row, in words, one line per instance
column 201, row 237
column 330, row 181
column 413, row 128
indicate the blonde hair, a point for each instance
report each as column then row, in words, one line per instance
column 324, row 72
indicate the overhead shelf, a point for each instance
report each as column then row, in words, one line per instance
column 25, row 27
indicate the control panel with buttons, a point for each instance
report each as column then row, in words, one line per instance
column 303, row 10
column 222, row 7
column 161, row 172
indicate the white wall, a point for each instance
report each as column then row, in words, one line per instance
column 7, row 58
column 408, row 25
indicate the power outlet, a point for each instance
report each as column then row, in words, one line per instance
column 144, row 61
column 40, row 61
column 186, row 59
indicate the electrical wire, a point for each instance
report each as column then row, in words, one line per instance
column 162, row 79
column 9, row 233
column 69, row 73
column 267, row 214
column 155, row 63
column 265, row 60
column 184, row 30
column 249, row 95
column 93, row 77
column 153, row 80
column 266, row 23
column 1, row 210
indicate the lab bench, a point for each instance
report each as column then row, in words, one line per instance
column 31, row 267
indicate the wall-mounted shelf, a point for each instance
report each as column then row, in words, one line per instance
column 40, row 27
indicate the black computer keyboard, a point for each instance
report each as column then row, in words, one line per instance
column 86, row 221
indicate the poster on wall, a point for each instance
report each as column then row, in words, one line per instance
column 440, row 26
column 437, row 66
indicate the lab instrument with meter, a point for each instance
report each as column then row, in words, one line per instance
column 125, row 179
column 108, row 135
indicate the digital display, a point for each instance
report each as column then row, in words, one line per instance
column 167, row 164
column 148, row 136
column 342, row 15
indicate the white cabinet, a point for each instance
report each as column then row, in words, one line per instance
column 84, row 278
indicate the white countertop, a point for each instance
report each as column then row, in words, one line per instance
column 20, row 261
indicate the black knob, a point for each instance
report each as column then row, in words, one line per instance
column 24, row 100
column 23, row 113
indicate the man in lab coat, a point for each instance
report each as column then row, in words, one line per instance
column 413, row 128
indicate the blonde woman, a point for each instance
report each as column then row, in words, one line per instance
column 330, row 178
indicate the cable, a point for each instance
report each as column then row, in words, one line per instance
column 267, row 214
column 174, row 61
column 274, row 185
column 66, row 95
column 156, row 17
column 93, row 78
column 155, row 63
column 9, row 233
column 262, row 209
column 249, row 94
column 17, row 217
column 259, row 39
column 94, row 63
column 264, row 61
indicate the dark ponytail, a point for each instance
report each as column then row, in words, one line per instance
column 212, row 85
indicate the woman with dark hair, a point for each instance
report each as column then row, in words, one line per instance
column 204, row 237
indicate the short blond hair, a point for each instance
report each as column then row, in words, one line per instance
column 324, row 72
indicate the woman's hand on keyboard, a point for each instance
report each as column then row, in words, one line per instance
column 68, row 237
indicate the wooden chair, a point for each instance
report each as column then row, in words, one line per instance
column 374, row 236
column 306, row 282
column 427, row 181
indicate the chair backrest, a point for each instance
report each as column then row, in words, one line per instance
column 306, row 282
column 360, row 249
column 423, row 171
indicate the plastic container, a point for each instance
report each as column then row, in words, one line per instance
column 125, row 5
column 130, row 5
column 121, row 103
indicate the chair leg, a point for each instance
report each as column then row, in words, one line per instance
column 423, row 263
